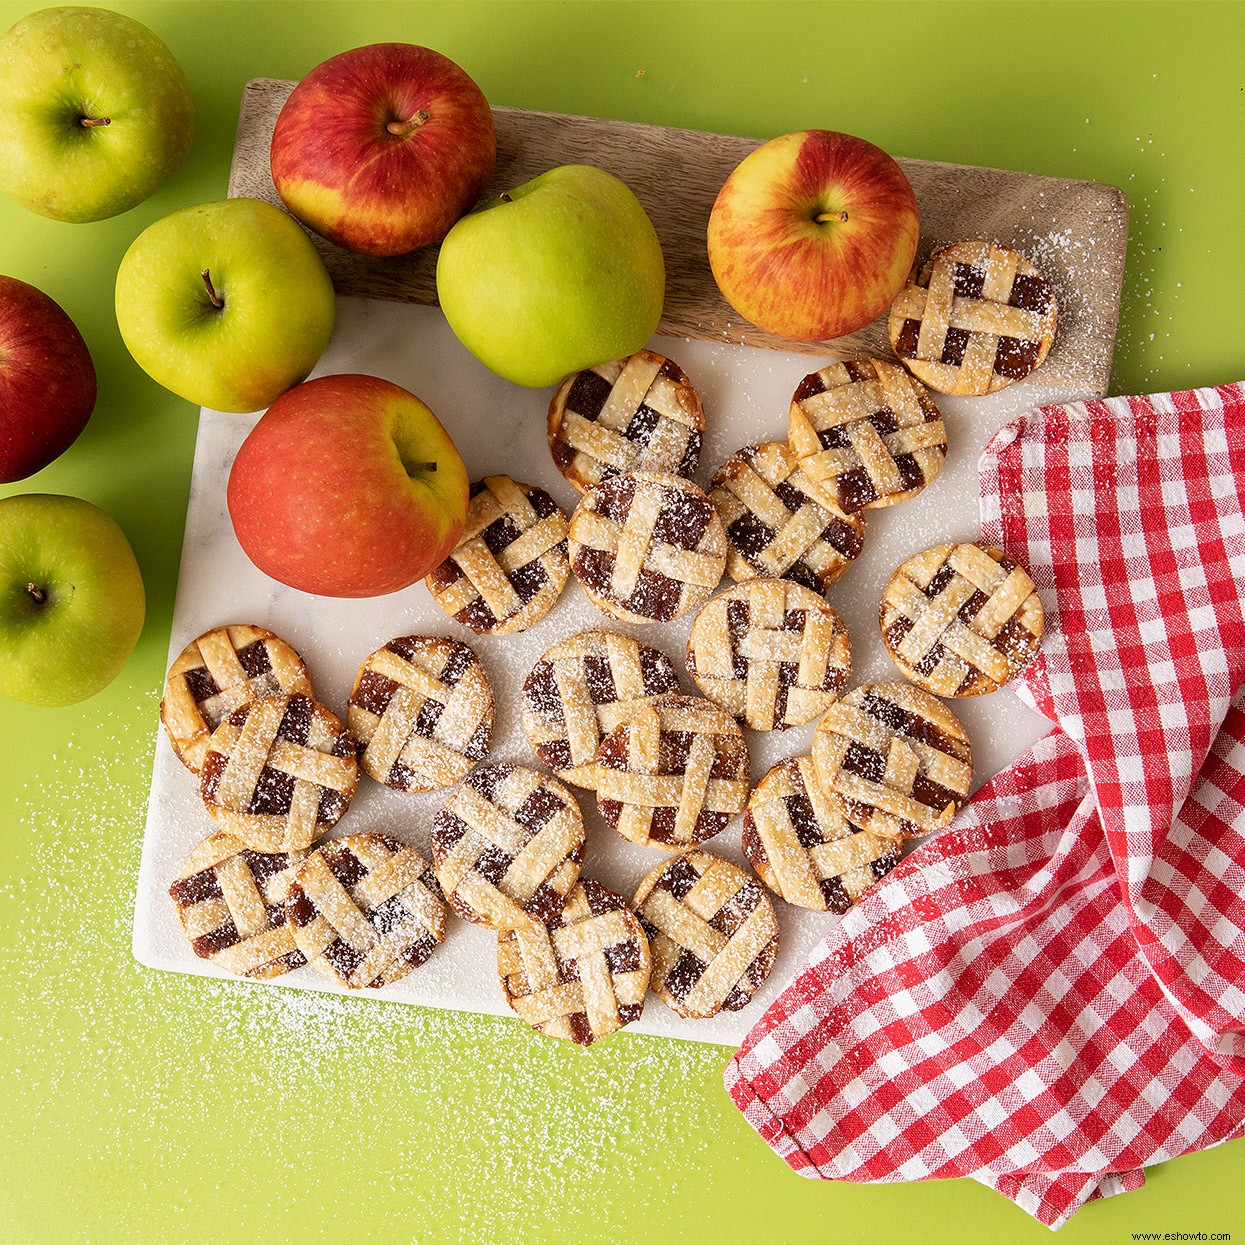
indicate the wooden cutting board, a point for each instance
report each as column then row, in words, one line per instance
column 1075, row 232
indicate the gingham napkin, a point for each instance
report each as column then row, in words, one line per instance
column 1049, row 996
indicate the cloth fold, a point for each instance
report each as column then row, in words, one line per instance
column 1049, row 995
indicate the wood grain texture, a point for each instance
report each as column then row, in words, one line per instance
column 1075, row 232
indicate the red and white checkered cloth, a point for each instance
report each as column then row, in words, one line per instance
column 1049, row 995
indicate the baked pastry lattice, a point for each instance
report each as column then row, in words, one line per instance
column 712, row 931
column 894, row 758
column 231, row 903
column 510, row 565
column 977, row 317
column 635, row 414
column 804, row 848
column 961, row 620
column 217, row 672
column 772, row 653
column 366, row 910
column 775, row 522
column 673, row 774
column 866, row 434
column 583, row 975
column 422, row 712
column 647, row 547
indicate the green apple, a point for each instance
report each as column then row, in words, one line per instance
column 71, row 599
column 557, row 275
column 95, row 113
column 226, row 304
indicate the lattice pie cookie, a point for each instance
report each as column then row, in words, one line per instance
column 422, row 712
column 279, row 772
column 775, row 523
column 673, row 774
column 803, row 847
column 510, row 566
column 977, row 317
column 583, row 975
column 231, row 902
column 866, row 434
column 712, row 932
column 894, row 759
column 635, row 414
column 507, row 846
column 581, row 689
column 961, row 620
column 771, row 653
column 214, row 674
column 366, row 910
column 647, row 547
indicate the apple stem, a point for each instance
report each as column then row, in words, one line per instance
column 37, row 595
column 213, row 297
column 400, row 129
column 89, row 123
column 411, row 468
column 823, row 218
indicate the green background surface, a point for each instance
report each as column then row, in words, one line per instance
column 137, row 1106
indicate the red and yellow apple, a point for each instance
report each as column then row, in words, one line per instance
column 47, row 380
column 813, row 235
column 382, row 148
column 348, row 486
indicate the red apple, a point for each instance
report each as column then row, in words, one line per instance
column 348, row 486
column 47, row 380
column 381, row 149
column 813, row 235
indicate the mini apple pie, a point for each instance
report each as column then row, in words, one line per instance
column 366, row 910
column 422, row 713
column 635, row 414
column 647, row 547
column 776, row 524
column 583, row 975
column 961, row 620
column 214, row 674
column 804, row 848
column 231, row 903
column 510, row 565
column 977, row 317
column 771, row 653
column 894, row 759
column 279, row 773
column 673, row 774
column 581, row 689
column 866, row 434
column 507, row 846
column 712, row 932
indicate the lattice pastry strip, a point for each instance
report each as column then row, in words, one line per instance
column 712, row 932
column 422, row 712
column 647, row 547
column 231, row 903
column 772, row 653
column 583, row 975
column 580, row 689
column 673, row 774
column 775, row 522
column 961, row 620
column 635, row 414
column 866, row 434
column 214, row 674
column 366, row 910
column 975, row 319
column 510, row 565
column 804, row 848
column 894, row 759
column 507, row 846
column 279, row 772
